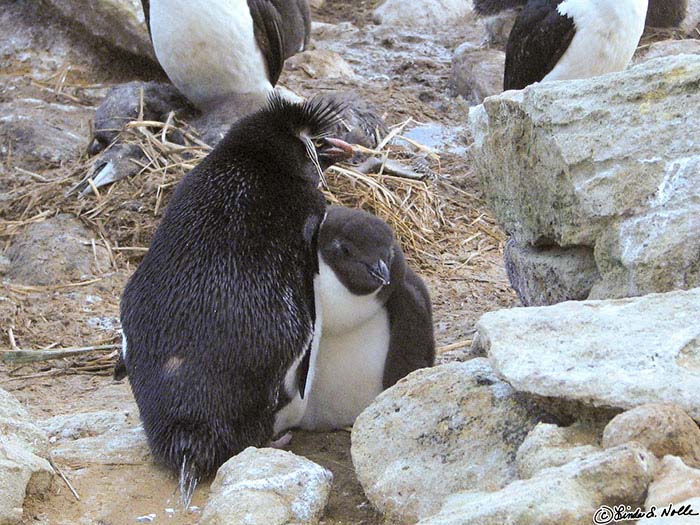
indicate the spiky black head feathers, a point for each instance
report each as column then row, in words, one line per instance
column 315, row 118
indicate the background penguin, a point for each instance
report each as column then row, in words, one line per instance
column 377, row 319
column 218, row 50
column 661, row 13
column 570, row 39
column 220, row 316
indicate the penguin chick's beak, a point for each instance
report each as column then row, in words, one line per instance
column 332, row 150
column 380, row 271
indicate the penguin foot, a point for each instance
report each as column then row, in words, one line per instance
column 282, row 442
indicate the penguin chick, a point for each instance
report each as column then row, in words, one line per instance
column 219, row 318
column 377, row 320
column 572, row 39
column 216, row 51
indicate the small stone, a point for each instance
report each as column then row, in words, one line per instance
column 321, row 63
column 86, row 424
column 477, row 73
column 56, row 251
column 674, row 483
column 552, row 446
column 267, row 486
column 662, row 429
column 422, row 13
column 125, row 446
column 438, row 431
column 667, row 48
column 569, row 494
column 120, row 23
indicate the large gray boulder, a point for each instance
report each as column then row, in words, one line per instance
column 609, row 164
column 439, row 431
column 615, row 354
column 120, row 23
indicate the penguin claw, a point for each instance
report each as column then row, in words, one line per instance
column 283, row 441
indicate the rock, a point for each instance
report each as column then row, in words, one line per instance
column 422, row 13
column 87, row 424
column 555, row 177
column 570, row 494
column 335, row 32
column 438, row 431
column 57, row 250
column 662, row 429
column 23, row 472
column 552, row 446
column 674, row 483
column 667, row 48
column 666, row 13
column 498, row 27
column 123, row 104
column 267, row 486
column 317, row 4
column 617, row 353
column 692, row 18
column 477, row 73
column 16, row 422
column 120, row 23
column 321, row 63
column 123, row 446
column 37, row 135
column 543, row 276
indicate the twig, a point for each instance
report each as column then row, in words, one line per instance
column 30, row 356
column 454, row 346
column 64, row 478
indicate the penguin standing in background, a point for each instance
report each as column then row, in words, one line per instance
column 571, row 39
column 219, row 51
column 220, row 319
column 377, row 319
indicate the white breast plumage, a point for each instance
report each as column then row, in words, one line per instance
column 350, row 365
column 607, row 35
column 208, row 48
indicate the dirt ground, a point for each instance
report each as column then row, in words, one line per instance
column 403, row 76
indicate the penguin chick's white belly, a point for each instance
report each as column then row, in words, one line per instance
column 291, row 414
column 208, row 48
column 607, row 35
column 351, row 357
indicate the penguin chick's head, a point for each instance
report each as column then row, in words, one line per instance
column 360, row 249
column 296, row 133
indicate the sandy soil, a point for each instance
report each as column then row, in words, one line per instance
column 405, row 77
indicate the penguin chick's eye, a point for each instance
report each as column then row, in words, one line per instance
column 341, row 248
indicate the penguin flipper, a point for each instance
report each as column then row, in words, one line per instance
column 411, row 339
column 267, row 25
column 539, row 38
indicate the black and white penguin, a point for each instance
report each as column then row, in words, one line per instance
column 377, row 318
column 571, row 39
column 218, row 50
column 220, row 321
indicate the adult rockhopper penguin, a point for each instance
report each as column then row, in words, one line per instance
column 572, row 39
column 215, row 51
column 220, row 320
